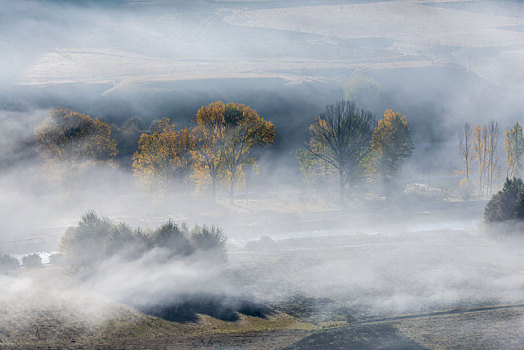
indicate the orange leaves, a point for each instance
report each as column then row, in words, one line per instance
column 216, row 148
column 391, row 142
column 514, row 142
column 67, row 137
column 163, row 156
column 226, row 133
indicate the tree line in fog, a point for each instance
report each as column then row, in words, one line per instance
column 222, row 146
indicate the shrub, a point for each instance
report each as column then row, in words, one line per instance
column 123, row 240
column 32, row 261
column 85, row 244
column 208, row 238
column 173, row 237
column 263, row 244
column 8, row 263
column 508, row 203
column 57, row 259
column 465, row 189
column 96, row 239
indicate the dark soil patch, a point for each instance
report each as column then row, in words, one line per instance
column 376, row 336
column 186, row 308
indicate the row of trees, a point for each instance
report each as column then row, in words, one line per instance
column 480, row 152
column 217, row 150
column 348, row 142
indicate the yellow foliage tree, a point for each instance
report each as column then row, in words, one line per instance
column 480, row 150
column 466, row 155
column 485, row 150
column 225, row 135
column 465, row 136
column 164, row 157
column 68, row 139
column 391, row 143
column 514, row 151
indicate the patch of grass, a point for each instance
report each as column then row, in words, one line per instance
column 490, row 329
column 31, row 323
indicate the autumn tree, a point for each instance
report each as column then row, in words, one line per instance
column 164, row 157
column 339, row 141
column 514, row 151
column 67, row 139
column 480, row 150
column 492, row 166
column 313, row 168
column 465, row 144
column 391, row 143
column 225, row 136
column 466, row 153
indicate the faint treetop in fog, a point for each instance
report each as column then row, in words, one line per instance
column 8, row 263
column 364, row 90
column 32, row 261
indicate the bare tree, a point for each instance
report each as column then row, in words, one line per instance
column 480, row 144
column 340, row 138
column 492, row 155
column 465, row 144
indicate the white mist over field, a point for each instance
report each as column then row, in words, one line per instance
column 441, row 63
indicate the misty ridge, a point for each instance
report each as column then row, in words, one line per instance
column 270, row 171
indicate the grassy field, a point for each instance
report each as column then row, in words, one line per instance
column 26, row 326
column 326, row 278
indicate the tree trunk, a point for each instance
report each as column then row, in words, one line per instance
column 214, row 188
column 247, row 191
column 231, row 188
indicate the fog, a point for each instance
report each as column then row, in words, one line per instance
column 440, row 63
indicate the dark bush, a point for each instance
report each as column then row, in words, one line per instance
column 86, row 243
column 519, row 207
column 508, row 203
column 32, row 261
column 172, row 236
column 208, row 238
column 96, row 239
column 186, row 307
column 8, row 263
column 123, row 240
